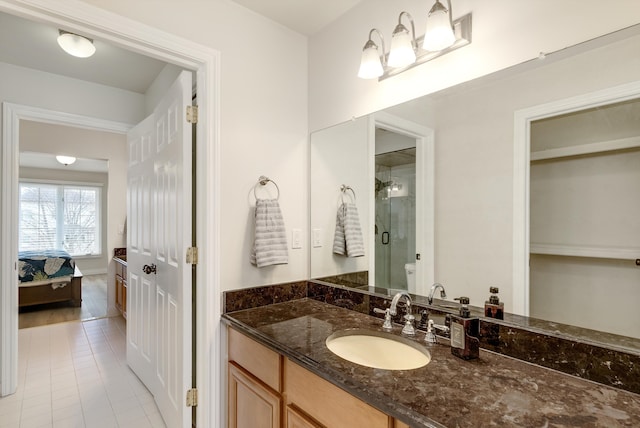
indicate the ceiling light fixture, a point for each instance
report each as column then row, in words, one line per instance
column 443, row 35
column 75, row 44
column 65, row 160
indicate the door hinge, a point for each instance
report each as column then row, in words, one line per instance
column 192, row 397
column 192, row 255
column 192, row 114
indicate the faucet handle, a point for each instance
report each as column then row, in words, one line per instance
column 424, row 318
column 408, row 328
column 430, row 337
column 387, row 318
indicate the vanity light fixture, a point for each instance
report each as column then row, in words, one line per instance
column 65, row 160
column 75, row 44
column 403, row 44
column 372, row 63
column 440, row 34
column 443, row 35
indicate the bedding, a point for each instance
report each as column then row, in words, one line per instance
column 44, row 266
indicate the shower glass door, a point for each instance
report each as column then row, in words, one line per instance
column 395, row 209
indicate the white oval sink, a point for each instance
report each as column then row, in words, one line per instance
column 378, row 349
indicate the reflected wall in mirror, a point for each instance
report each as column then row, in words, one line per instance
column 585, row 218
column 476, row 204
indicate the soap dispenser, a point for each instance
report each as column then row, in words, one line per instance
column 464, row 332
column 494, row 308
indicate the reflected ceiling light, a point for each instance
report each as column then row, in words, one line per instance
column 65, row 160
column 440, row 33
column 443, row 36
column 403, row 44
column 371, row 63
column 76, row 45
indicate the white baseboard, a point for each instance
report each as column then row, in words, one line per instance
column 86, row 272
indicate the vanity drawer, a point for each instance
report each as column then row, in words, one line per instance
column 258, row 360
column 328, row 404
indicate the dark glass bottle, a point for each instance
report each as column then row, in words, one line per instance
column 464, row 332
column 494, row 308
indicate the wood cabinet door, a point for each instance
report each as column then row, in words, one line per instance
column 297, row 419
column 124, row 298
column 119, row 292
column 251, row 404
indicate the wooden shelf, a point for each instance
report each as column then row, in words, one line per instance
column 618, row 253
column 586, row 149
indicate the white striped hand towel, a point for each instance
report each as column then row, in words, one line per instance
column 347, row 240
column 270, row 243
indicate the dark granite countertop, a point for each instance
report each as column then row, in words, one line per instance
column 449, row 392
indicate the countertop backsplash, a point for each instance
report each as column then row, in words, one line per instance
column 575, row 354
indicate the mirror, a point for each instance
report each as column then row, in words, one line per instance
column 473, row 186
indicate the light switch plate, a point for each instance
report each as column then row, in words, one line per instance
column 317, row 238
column 296, row 238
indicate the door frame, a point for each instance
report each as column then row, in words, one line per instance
column 425, row 206
column 521, row 174
column 146, row 40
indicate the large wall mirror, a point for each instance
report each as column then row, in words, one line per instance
column 454, row 216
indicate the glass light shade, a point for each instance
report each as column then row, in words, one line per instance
column 402, row 52
column 65, row 160
column 439, row 33
column 76, row 45
column 370, row 65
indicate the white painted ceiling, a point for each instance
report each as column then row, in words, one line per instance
column 304, row 16
column 33, row 45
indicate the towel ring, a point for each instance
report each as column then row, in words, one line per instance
column 263, row 181
column 344, row 189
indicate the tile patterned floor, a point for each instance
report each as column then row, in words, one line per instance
column 75, row 375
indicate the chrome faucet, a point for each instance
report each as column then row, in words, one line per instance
column 434, row 287
column 408, row 328
column 394, row 303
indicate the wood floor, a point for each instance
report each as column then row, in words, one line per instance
column 94, row 306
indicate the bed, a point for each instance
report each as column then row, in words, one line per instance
column 47, row 277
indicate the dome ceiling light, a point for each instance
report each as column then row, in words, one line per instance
column 75, row 44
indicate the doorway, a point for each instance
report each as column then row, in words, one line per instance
column 188, row 55
column 395, row 208
column 66, row 206
column 410, row 159
column 523, row 244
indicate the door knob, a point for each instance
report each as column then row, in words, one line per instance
column 149, row 269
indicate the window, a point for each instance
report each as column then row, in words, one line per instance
column 60, row 216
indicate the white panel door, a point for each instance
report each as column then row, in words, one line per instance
column 159, row 232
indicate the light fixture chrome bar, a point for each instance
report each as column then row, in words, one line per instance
column 462, row 29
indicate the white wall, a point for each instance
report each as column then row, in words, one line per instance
column 263, row 120
column 339, row 156
column 34, row 88
column 505, row 33
column 160, row 85
column 83, row 143
column 474, row 163
column 87, row 265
